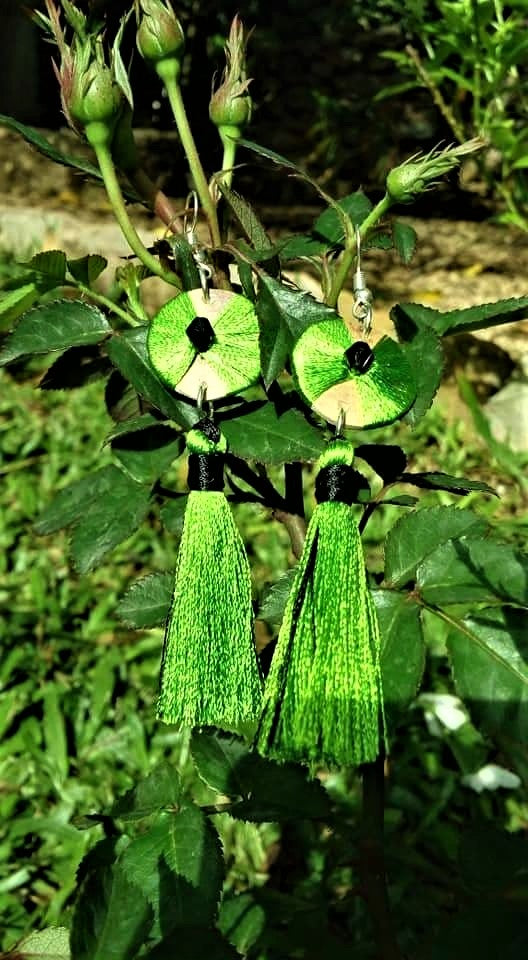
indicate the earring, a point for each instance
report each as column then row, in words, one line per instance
column 337, row 373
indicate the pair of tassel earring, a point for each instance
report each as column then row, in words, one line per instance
column 322, row 701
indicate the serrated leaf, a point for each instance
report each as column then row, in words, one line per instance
column 128, row 351
column 132, row 425
column 264, row 790
column 489, row 659
column 107, row 521
column 443, row 481
column 147, row 453
column 161, row 788
column 401, row 501
column 112, row 916
column 50, row 944
column 328, row 225
column 402, row 646
column 55, row 326
column 274, row 602
column 146, row 602
column 51, row 264
column 86, row 269
column 269, row 437
column 418, row 534
column 118, row 67
column 470, row 318
column 284, row 313
column 75, row 368
column 423, row 350
column 178, row 864
column 471, row 571
column 404, row 239
column 35, row 138
column 15, row 302
column 173, row 514
column 69, row 504
column 303, row 246
column 246, row 217
column 122, row 401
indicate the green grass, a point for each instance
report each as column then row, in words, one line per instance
column 77, row 689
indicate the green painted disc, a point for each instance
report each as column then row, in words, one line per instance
column 378, row 390
column 214, row 342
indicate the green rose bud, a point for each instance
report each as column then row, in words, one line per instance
column 160, row 34
column 94, row 96
column 421, row 173
column 230, row 106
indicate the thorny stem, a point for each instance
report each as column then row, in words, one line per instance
column 349, row 253
column 97, row 135
column 228, row 159
column 178, row 109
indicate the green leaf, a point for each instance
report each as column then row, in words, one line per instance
column 160, row 789
column 424, row 352
column 264, row 790
column 87, row 269
column 50, row 944
column 284, row 313
column 402, row 646
column 132, row 425
column 51, row 264
column 418, row 534
column 112, row 916
column 107, row 521
column 146, row 602
column 55, row 734
column 272, row 606
column 443, row 481
column 190, row 943
column 128, row 351
column 246, row 217
column 47, row 149
column 55, row 326
column 241, row 920
column 147, row 453
column 466, row 320
column 173, row 514
column 15, row 302
column 404, row 239
column 302, row 246
column 472, row 571
column 178, row 865
column 328, row 225
column 69, row 504
column 265, row 436
column 489, row 659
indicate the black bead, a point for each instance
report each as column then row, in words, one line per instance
column 201, row 334
column 359, row 356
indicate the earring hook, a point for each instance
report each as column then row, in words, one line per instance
column 362, row 309
column 199, row 255
column 340, row 423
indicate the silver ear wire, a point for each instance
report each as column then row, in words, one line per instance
column 200, row 399
column 362, row 309
column 340, row 423
column 198, row 252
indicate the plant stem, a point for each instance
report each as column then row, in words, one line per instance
column 167, row 73
column 372, row 860
column 228, row 159
column 106, row 302
column 98, row 137
column 349, row 253
column 438, row 99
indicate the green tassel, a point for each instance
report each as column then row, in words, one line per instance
column 209, row 672
column 323, row 698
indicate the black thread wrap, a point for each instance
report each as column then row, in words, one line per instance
column 201, row 334
column 209, row 429
column 206, row 472
column 339, row 483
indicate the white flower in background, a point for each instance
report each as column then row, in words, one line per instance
column 491, row 777
column 442, row 711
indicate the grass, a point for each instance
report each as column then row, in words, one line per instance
column 77, row 689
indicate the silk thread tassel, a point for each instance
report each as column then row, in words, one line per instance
column 209, row 671
column 323, row 697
